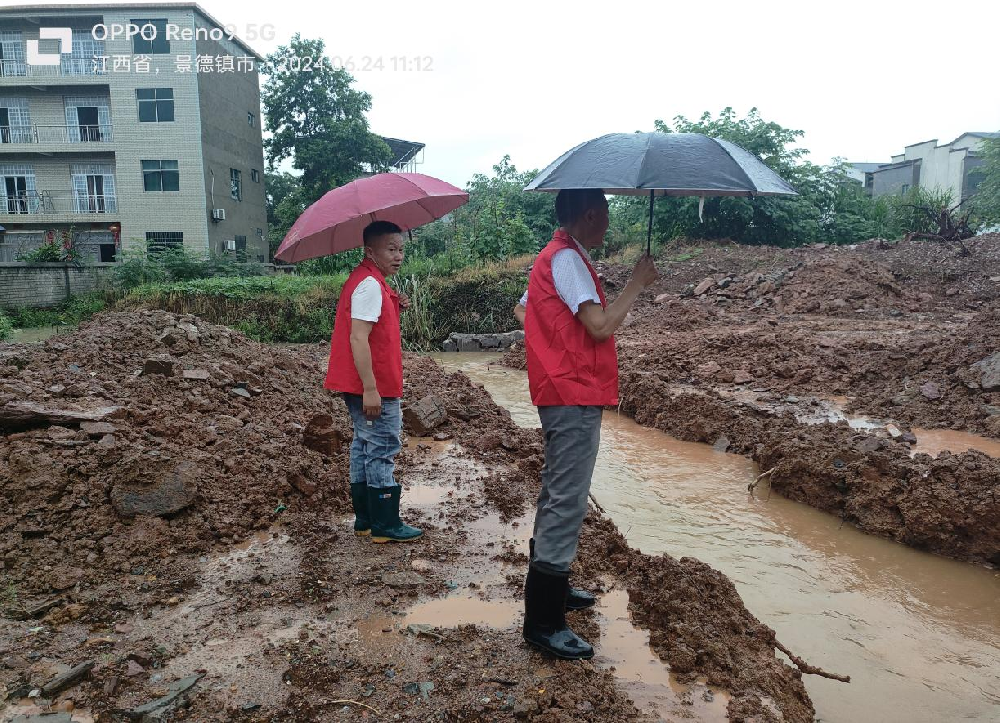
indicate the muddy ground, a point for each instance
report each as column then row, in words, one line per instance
column 175, row 544
column 764, row 351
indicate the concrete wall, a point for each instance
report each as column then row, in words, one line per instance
column 45, row 285
column 890, row 181
column 229, row 141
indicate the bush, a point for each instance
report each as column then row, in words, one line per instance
column 137, row 267
column 6, row 327
column 70, row 312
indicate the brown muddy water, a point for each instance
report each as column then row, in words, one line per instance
column 918, row 634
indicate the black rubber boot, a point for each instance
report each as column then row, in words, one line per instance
column 383, row 506
column 545, row 617
column 362, row 520
column 575, row 599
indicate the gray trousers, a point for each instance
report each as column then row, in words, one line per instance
column 572, row 437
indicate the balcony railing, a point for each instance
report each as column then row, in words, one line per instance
column 57, row 134
column 43, row 202
column 67, row 66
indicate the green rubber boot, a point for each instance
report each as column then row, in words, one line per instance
column 362, row 520
column 383, row 505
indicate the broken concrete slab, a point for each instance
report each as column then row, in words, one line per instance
column 196, row 374
column 424, row 415
column 172, row 493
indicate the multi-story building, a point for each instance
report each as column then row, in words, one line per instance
column 128, row 126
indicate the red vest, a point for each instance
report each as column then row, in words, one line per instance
column 384, row 340
column 566, row 366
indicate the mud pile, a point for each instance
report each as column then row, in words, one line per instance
column 197, row 435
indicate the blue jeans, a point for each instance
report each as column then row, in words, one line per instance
column 376, row 442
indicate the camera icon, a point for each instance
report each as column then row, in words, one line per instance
column 63, row 35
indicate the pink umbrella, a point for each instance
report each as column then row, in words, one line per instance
column 335, row 222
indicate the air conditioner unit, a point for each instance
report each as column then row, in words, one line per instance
column 218, row 214
column 230, row 244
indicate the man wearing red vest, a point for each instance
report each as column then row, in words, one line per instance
column 366, row 364
column 573, row 375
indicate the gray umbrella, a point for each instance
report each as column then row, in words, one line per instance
column 661, row 164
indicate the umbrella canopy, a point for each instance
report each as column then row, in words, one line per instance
column 336, row 221
column 668, row 164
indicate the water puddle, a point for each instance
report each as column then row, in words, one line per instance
column 642, row 675
column 919, row 634
column 449, row 612
column 934, row 441
column 37, row 334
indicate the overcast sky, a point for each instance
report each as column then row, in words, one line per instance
column 533, row 79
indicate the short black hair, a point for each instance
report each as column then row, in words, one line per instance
column 572, row 203
column 379, row 228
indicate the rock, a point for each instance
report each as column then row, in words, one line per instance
column 57, row 432
column 423, row 416
column 240, row 392
column 97, row 429
column 741, row 376
column 449, row 345
column 159, row 365
column 299, row 481
column 67, row 679
column 909, row 438
column 991, row 410
column 56, row 390
column 171, row 493
column 725, row 282
column 526, row 708
column 133, row 669
column 25, row 415
column 111, row 685
column 321, row 436
column 196, row 374
column 725, row 377
column 708, row 369
column 893, row 431
column 445, row 436
column 930, row 390
column 190, row 330
column 158, row 709
column 721, row 444
column 406, row 580
column 704, row 286
column 662, row 299
column 989, row 371
column 44, row 718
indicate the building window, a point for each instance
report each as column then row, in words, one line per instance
column 241, row 245
column 260, row 232
column 236, row 184
column 251, row 120
column 904, row 189
column 159, row 241
column 151, row 38
column 160, row 176
column 156, row 105
column 255, row 175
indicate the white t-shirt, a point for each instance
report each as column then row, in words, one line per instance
column 366, row 300
column 572, row 278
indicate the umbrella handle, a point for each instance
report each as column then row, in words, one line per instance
column 649, row 231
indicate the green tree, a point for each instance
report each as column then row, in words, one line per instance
column 830, row 207
column 501, row 220
column 315, row 116
column 285, row 203
column 986, row 202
